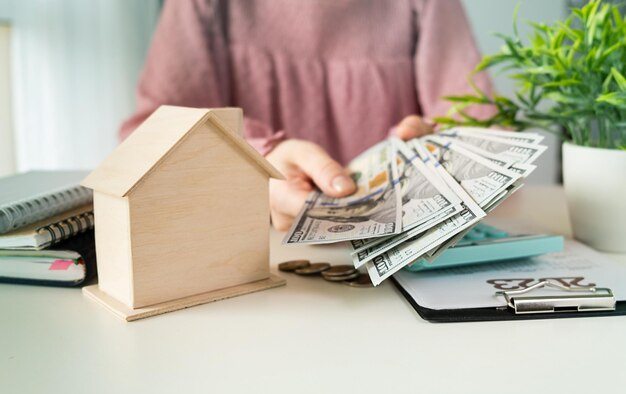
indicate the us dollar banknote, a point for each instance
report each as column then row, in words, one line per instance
column 524, row 137
column 432, row 254
column 523, row 169
column 482, row 179
column 388, row 263
column 426, row 201
column 506, row 148
column 432, row 162
column 385, row 264
column 362, row 256
column 374, row 210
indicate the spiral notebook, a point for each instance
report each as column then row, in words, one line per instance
column 32, row 196
column 70, row 263
column 47, row 232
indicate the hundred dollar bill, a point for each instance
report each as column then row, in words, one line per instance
column 520, row 168
column 373, row 210
column 524, row 169
column 426, row 201
column 431, row 161
column 500, row 160
column 506, row 148
column 385, row 264
column 363, row 255
column 421, row 149
column 388, row 263
column 482, row 179
column 524, row 137
column 432, row 254
column 423, row 194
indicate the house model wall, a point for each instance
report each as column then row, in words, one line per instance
column 181, row 208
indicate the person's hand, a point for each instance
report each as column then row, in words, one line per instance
column 304, row 165
column 414, row 126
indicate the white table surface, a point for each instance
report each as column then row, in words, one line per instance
column 310, row 336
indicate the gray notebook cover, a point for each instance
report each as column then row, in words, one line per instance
column 36, row 195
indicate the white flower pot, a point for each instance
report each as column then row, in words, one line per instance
column 595, row 187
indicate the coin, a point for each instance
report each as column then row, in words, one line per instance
column 340, row 270
column 351, row 276
column 313, row 269
column 293, row 265
column 363, row 280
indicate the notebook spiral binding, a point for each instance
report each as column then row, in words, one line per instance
column 27, row 211
column 69, row 227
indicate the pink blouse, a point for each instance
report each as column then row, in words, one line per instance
column 340, row 73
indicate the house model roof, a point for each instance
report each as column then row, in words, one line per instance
column 157, row 136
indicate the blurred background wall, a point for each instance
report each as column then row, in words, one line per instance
column 73, row 69
column 68, row 71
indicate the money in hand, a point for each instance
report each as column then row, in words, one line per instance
column 415, row 199
column 374, row 210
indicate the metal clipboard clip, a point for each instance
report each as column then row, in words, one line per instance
column 598, row 299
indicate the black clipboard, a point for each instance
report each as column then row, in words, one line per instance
column 509, row 313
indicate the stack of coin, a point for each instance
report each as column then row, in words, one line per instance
column 346, row 274
column 339, row 273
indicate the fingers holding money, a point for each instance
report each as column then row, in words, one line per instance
column 326, row 173
column 305, row 166
column 414, row 126
column 286, row 200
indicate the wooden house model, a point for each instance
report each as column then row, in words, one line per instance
column 182, row 214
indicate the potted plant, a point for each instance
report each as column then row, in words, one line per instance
column 570, row 80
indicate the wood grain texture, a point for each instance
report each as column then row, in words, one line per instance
column 124, row 312
column 113, row 249
column 199, row 222
column 250, row 153
column 231, row 117
column 145, row 147
column 136, row 157
column 182, row 208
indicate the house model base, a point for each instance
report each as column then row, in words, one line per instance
column 182, row 215
column 124, row 312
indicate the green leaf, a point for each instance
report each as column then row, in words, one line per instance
column 617, row 99
column 540, row 27
column 467, row 116
column 591, row 13
column 503, row 101
column 617, row 17
column 442, row 120
column 619, row 78
column 490, row 61
column 540, row 70
column 607, row 82
column 515, row 13
column 512, row 45
column 468, row 99
column 561, row 83
column 522, row 99
column 609, row 51
column 538, row 40
column 562, row 98
column 558, row 39
column 572, row 34
column 578, row 13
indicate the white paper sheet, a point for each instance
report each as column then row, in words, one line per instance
column 475, row 286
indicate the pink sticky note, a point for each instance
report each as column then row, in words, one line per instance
column 60, row 265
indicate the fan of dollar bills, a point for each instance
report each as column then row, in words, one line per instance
column 417, row 198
